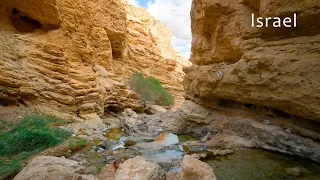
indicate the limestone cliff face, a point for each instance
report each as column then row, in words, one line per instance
column 148, row 50
column 277, row 68
column 62, row 55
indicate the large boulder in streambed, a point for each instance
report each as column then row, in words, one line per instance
column 192, row 169
column 139, row 168
column 52, row 168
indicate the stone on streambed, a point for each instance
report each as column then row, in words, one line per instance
column 192, row 169
column 219, row 152
column 293, row 171
column 139, row 168
column 52, row 168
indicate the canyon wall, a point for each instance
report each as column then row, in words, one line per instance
column 148, row 50
column 274, row 68
column 68, row 56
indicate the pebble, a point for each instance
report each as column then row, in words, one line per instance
column 288, row 131
column 266, row 122
column 100, row 150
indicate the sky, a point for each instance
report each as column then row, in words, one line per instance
column 176, row 15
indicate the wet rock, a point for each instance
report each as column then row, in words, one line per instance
column 194, row 148
column 52, row 168
column 192, row 169
column 293, row 171
column 139, row 168
column 218, row 152
column 199, row 156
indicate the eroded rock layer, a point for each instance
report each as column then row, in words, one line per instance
column 276, row 68
column 148, row 50
column 64, row 55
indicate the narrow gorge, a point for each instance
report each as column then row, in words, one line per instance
column 246, row 105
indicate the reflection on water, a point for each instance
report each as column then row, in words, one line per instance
column 170, row 155
column 167, row 138
column 170, row 139
column 257, row 164
column 114, row 134
column 165, row 157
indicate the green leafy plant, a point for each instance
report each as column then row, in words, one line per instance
column 150, row 89
column 31, row 135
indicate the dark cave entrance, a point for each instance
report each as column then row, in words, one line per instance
column 22, row 23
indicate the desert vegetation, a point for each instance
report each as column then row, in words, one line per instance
column 150, row 89
column 22, row 139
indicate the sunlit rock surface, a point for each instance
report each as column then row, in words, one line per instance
column 276, row 68
column 73, row 58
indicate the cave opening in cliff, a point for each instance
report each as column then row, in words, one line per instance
column 22, row 23
column 113, row 109
column 280, row 113
column 250, row 106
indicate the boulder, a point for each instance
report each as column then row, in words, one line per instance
column 139, row 168
column 192, row 169
column 52, row 168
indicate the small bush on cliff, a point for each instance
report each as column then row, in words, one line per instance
column 150, row 89
column 31, row 135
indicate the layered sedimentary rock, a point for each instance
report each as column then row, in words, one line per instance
column 148, row 50
column 276, row 68
column 63, row 55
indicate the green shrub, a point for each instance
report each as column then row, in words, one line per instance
column 21, row 140
column 150, row 89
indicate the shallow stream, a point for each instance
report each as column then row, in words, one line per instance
column 167, row 149
column 256, row 164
